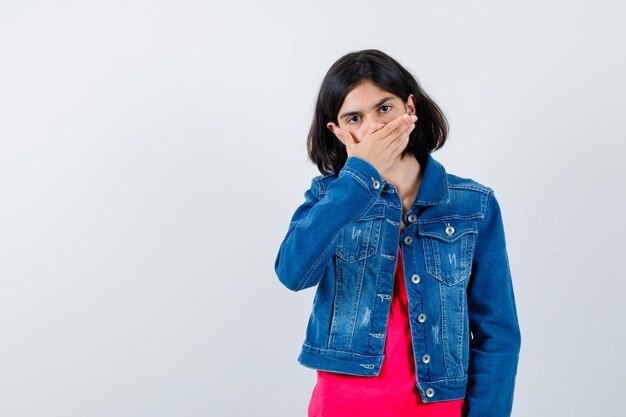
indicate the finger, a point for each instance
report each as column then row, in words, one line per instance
column 345, row 136
column 397, row 141
column 403, row 140
column 397, row 127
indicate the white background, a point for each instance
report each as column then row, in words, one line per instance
column 152, row 154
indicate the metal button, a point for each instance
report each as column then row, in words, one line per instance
column 415, row 278
column 375, row 183
column 412, row 217
column 408, row 240
column 430, row 392
column 426, row 358
column 421, row 318
column 449, row 230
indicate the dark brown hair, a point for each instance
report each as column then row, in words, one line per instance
column 326, row 151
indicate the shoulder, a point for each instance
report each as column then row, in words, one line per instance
column 319, row 183
column 457, row 182
column 466, row 190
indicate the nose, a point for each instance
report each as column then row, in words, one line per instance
column 371, row 124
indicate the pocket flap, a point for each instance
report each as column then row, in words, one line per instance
column 377, row 210
column 447, row 230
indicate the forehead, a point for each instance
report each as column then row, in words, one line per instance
column 364, row 95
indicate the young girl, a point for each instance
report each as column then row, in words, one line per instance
column 414, row 312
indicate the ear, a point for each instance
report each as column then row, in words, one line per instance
column 410, row 104
column 336, row 131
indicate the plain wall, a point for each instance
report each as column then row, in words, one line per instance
column 152, row 154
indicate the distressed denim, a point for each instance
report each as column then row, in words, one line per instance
column 344, row 239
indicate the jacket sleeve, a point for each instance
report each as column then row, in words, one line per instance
column 311, row 237
column 496, row 341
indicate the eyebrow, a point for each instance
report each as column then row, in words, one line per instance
column 356, row 113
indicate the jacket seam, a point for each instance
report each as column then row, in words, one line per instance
column 356, row 177
column 309, row 273
column 320, row 186
column 481, row 189
column 340, row 351
column 484, row 207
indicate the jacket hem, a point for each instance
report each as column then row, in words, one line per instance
column 330, row 360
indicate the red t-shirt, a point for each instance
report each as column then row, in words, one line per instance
column 393, row 392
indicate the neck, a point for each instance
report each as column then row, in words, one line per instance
column 406, row 175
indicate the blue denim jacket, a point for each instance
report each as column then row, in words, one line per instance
column 464, row 327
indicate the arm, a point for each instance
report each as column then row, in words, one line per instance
column 496, row 342
column 311, row 237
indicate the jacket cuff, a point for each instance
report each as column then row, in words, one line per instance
column 364, row 173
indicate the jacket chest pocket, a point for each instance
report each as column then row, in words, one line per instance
column 359, row 239
column 449, row 248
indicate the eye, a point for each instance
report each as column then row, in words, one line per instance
column 350, row 120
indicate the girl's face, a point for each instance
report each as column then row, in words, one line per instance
column 367, row 108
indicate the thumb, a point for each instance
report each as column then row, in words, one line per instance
column 345, row 137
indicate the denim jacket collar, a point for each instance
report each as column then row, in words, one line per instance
column 433, row 189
